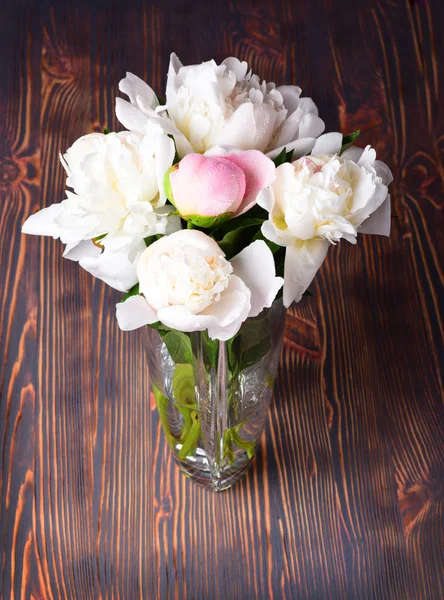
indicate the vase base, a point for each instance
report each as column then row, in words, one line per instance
column 202, row 475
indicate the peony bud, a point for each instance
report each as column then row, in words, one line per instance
column 217, row 186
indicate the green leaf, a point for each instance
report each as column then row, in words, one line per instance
column 183, row 386
column 160, row 100
column 308, row 293
column 160, row 327
column 236, row 240
column 255, row 354
column 178, row 345
column 190, row 442
column 348, row 140
column 228, row 453
column 255, row 212
column 96, row 241
column 250, row 344
column 249, row 447
column 184, row 397
column 243, row 222
column 151, row 239
column 283, row 157
column 132, row 292
column 210, row 349
column 106, row 130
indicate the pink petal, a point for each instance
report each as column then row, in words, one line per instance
column 207, row 186
column 259, row 174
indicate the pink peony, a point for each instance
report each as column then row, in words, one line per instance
column 210, row 186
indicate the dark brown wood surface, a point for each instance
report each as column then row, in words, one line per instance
column 346, row 496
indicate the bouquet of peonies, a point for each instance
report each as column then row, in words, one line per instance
column 212, row 212
column 212, row 201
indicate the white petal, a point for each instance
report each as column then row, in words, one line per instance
column 43, row 222
column 178, row 317
column 137, row 121
column 379, row 222
column 302, row 262
column 164, row 160
column 239, row 68
column 281, row 237
column 311, row 126
column 290, row 94
column 115, row 269
column 367, row 158
column 230, row 311
column 255, row 266
column 288, row 132
column 131, row 117
column 172, row 79
column 265, row 199
column 83, row 249
column 329, row 143
column 383, row 172
column 138, row 91
column 353, row 153
column 250, row 126
column 134, row 313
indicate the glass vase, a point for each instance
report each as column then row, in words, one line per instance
column 213, row 397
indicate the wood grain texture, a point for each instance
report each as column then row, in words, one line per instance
column 346, row 496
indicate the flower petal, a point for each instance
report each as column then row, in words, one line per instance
column 239, row 68
column 255, row 266
column 302, row 262
column 379, row 222
column 328, row 143
column 265, row 199
column 383, row 172
column 139, row 92
column 230, row 311
column 311, row 126
column 83, row 249
column 164, row 160
column 178, row 317
column 259, row 174
column 250, row 126
column 43, row 222
column 207, row 186
column 115, row 269
column 144, row 123
column 131, row 117
column 134, row 313
column 353, row 153
column 291, row 95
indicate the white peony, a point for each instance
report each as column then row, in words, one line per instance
column 320, row 199
column 118, row 193
column 188, row 285
column 210, row 105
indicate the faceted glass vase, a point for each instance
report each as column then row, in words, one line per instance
column 213, row 397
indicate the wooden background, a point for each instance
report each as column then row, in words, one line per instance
column 346, row 497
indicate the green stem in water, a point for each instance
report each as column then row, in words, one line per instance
column 190, row 442
column 162, row 408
